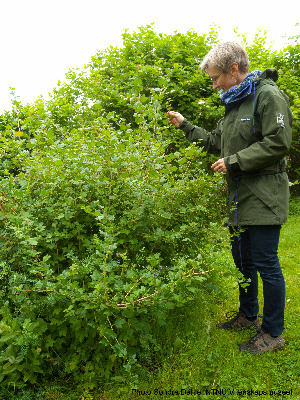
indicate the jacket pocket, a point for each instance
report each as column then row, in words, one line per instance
column 239, row 137
column 266, row 188
column 245, row 129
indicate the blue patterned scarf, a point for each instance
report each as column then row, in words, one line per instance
column 240, row 91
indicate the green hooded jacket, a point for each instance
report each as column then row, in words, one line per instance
column 253, row 137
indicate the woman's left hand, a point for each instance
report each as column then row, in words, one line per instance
column 219, row 166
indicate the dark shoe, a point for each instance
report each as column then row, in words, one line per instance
column 262, row 343
column 239, row 321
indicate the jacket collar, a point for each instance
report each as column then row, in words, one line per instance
column 270, row 75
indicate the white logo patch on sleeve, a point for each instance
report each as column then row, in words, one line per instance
column 280, row 120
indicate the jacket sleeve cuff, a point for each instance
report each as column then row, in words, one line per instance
column 186, row 126
column 232, row 163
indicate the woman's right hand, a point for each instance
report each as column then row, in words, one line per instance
column 175, row 118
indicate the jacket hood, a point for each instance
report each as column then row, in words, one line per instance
column 270, row 73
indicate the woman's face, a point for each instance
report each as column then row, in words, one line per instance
column 221, row 80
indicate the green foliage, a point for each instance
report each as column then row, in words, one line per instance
column 108, row 217
column 103, row 233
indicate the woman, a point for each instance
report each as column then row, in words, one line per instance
column 253, row 138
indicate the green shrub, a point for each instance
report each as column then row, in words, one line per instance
column 102, row 234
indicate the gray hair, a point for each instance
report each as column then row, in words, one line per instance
column 224, row 54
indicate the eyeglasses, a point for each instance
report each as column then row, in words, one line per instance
column 215, row 78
